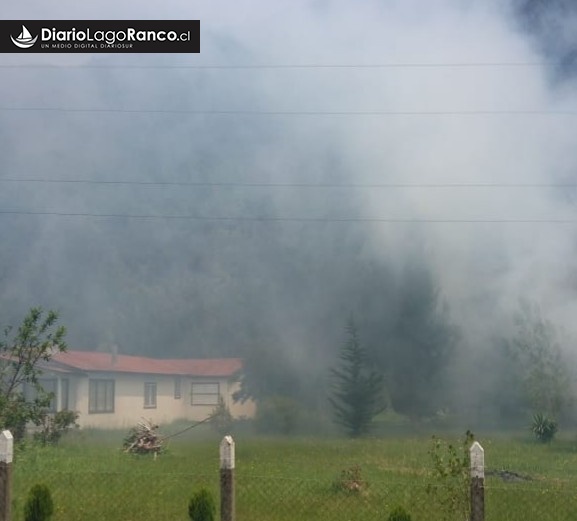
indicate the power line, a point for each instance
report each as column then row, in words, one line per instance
column 194, row 112
column 287, row 219
column 234, row 184
column 391, row 65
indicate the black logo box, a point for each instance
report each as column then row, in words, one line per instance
column 188, row 32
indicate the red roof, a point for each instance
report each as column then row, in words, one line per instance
column 97, row 361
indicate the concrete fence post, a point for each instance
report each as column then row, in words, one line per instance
column 227, row 499
column 6, row 453
column 477, row 482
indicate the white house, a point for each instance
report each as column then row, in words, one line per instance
column 116, row 391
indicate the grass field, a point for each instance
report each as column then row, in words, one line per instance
column 282, row 479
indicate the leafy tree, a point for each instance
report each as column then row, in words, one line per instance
column 358, row 393
column 539, row 362
column 21, row 352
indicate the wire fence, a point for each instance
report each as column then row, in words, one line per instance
column 111, row 496
column 282, row 500
column 121, row 487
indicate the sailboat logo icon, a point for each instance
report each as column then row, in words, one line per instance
column 24, row 40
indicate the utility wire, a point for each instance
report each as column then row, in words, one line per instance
column 288, row 219
column 195, row 112
column 392, row 65
column 192, row 426
column 227, row 184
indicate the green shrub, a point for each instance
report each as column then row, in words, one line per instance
column 450, row 485
column 39, row 505
column 399, row 514
column 201, row 506
column 221, row 418
column 54, row 426
column 543, row 427
column 277, row 415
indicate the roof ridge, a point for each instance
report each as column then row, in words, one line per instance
column 101, row 361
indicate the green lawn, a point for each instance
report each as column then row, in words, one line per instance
column 290, row 479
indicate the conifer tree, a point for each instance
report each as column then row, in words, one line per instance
column 358, row 392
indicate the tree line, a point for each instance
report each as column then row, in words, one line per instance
column 360, row 382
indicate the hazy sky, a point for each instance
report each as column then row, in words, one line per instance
column 465, row 115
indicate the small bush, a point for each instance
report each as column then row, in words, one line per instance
column 221, row 418
column 54, row 426
column 201, row 506
column 399, row 514
column 543, row 428
column 39, row 505
column 450, row 484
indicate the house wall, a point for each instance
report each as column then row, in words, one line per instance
column 129, row 406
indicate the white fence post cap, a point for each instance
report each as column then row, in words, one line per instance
column 477, row 460
column 227, row 453
column 6, row 446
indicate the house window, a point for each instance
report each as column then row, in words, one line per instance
column 150, row 395
column 204, row 394
column 177, row 388
column 100, row 396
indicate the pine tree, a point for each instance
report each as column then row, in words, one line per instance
column 358, row 392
